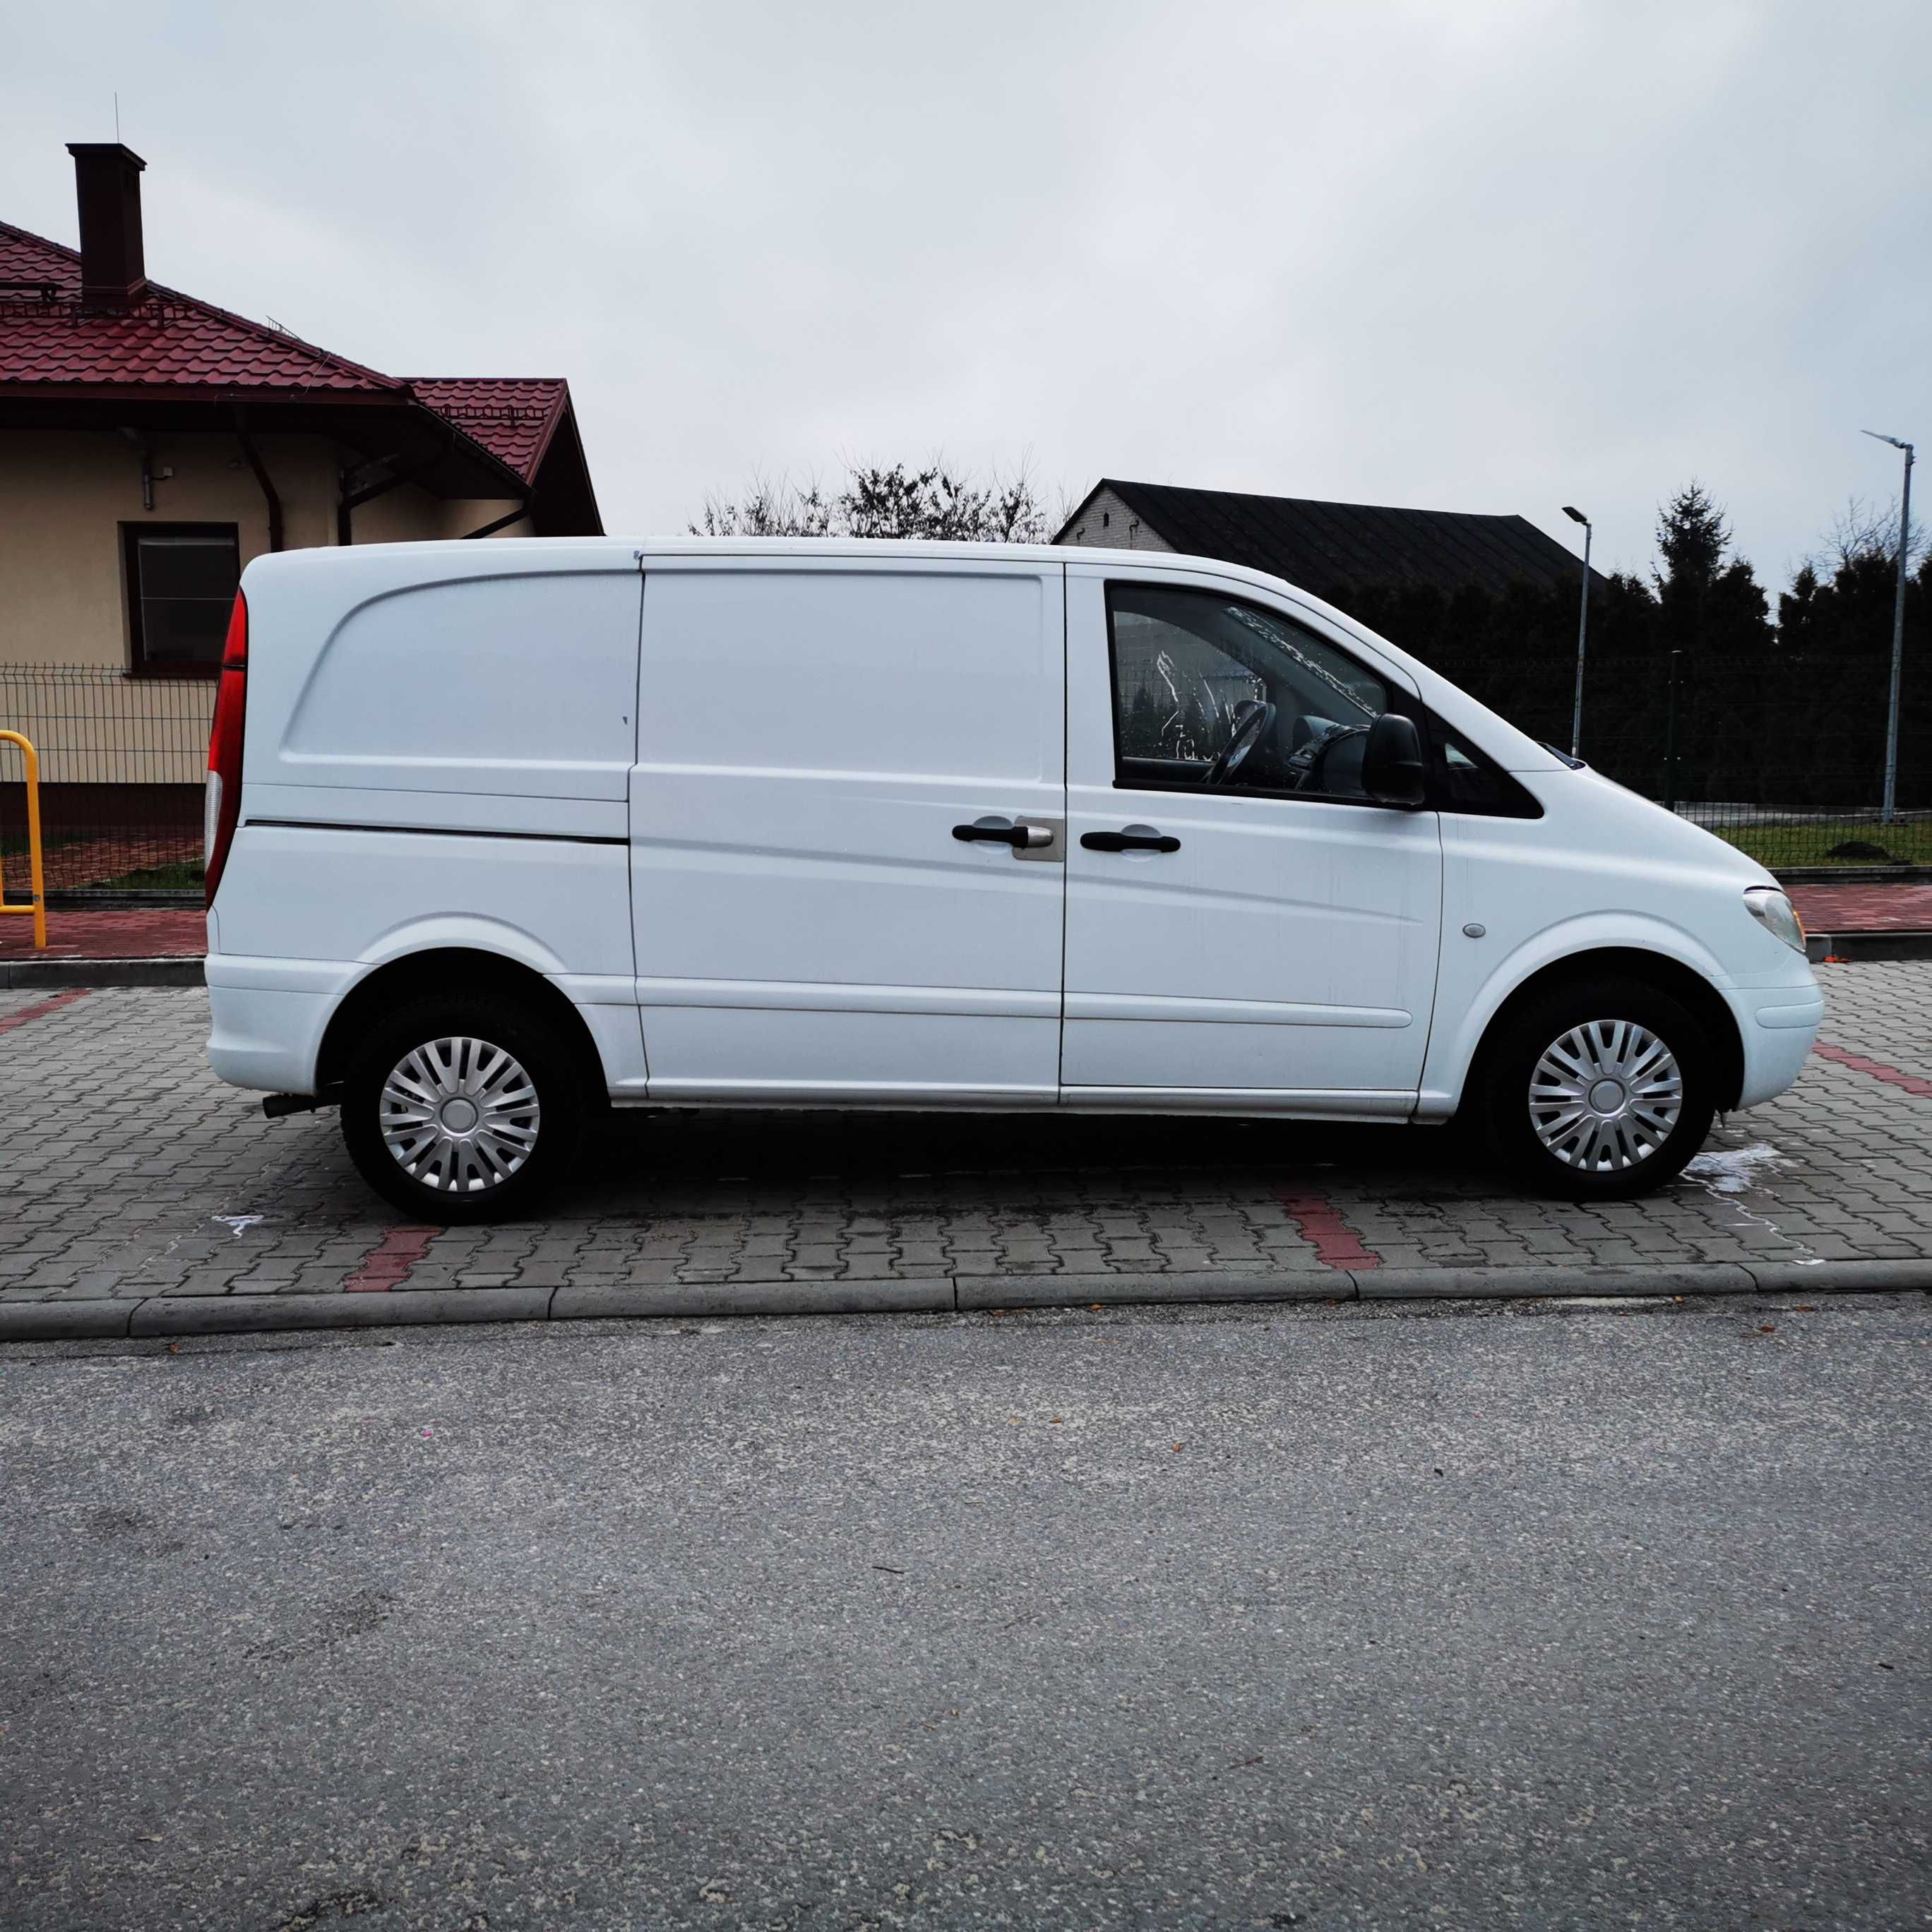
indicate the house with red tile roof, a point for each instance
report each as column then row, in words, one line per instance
column 152, row 443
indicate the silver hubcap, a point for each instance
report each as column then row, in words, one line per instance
column 459, row 1115
column 1606, row 1096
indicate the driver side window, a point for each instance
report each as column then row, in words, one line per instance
column 1208, row 689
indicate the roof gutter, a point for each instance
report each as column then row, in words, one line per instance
column 276, row 532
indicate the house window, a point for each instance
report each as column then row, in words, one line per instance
column 182, row 579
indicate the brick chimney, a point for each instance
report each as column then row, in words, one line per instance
column 107, row 181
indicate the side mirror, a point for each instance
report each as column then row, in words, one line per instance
column 1393, row 771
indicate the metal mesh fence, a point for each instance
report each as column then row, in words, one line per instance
column 122, row 761
column 1784, row 755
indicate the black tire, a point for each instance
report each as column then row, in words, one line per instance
column 1611, row 1151
column 550, row 1133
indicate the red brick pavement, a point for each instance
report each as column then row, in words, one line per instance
column 108, row 935
column 1854, row 908
column 184, row 933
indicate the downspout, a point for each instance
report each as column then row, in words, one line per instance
column 255, row 462
column 138, row 443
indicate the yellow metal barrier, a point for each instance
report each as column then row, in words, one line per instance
column 39, row 906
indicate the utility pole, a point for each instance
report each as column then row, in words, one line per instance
column 1583, row 633
column 1898, row 627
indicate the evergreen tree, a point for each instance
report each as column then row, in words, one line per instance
column 1707, row 606
column 1692, row 538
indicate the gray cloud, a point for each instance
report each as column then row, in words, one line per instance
column 1484, row 254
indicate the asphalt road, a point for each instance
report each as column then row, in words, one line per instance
column 1330, row 1617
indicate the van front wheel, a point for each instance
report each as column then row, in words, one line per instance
column 461, row 1108
column 1599, row 1091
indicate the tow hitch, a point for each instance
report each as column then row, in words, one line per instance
column 276, row 1104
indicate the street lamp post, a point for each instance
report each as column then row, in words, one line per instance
column 1897, row 626
column 1583, row 633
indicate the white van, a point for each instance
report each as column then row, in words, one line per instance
column 500, row 834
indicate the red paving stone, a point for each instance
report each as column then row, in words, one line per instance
column 1895, row 908
column 109, row 935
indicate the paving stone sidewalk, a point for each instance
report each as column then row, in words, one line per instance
column 158, row 932
column 1853, row 907
column 146, row 933
column 128, row 1171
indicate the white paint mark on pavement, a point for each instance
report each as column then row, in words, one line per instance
column 1731, row 1171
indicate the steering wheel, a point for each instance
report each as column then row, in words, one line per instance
column 1314, row 740
column 1253, row 719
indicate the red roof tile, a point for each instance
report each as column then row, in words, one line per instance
column 170, row 340
column 513, row 419
column 165, row 339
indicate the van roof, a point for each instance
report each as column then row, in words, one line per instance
column 528, row 555
column 570, row 552
column 394, row 564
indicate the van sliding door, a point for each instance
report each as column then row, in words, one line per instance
column 848, row 835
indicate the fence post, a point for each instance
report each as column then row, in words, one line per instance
column 36, row 875
column 1670, row 739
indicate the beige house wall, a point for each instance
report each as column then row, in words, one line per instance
column 64, row 496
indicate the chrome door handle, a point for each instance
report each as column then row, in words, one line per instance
column 1140, row 838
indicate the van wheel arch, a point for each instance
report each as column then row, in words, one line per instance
column 1667, row 975
column 453, row 970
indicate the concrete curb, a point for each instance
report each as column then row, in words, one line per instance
column 1518, row 1284
column 973, row 1292
column 21, row 976
column 163, row 1314
column 1862, row 948
column 932, row 1295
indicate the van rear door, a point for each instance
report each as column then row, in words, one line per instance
column 835, row 894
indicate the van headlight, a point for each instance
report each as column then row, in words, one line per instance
column 1776, row 914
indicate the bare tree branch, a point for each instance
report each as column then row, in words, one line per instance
column 892, row 502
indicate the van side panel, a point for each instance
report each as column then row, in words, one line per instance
column 409, row 689
column 557, row 905
column 437, row 753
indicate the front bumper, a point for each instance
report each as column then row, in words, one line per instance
column 1777, row 1025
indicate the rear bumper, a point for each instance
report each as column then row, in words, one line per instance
column 267, row 1018
column 265, row 1039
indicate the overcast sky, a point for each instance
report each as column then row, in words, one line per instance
column 1494, row 255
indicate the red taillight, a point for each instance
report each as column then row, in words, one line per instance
column 223, row 805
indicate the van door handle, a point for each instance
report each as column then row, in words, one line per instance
column 1021, row 838
column 1148, row 841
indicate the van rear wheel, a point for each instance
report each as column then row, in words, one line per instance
column 462, row 1107
column 1599, row 1090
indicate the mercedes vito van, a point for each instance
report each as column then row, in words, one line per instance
column 500, row 834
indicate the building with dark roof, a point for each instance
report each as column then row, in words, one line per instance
column 150, row 443
column 1324, row 547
